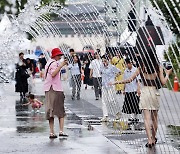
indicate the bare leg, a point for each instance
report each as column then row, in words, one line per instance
column 61, row 127
column 147, row 122
column 51, row 125
column 154, row 115
column 61, row 124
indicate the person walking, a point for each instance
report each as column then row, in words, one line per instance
column 118, row 61
column 21, row 77
column 70, row 61
column 31, row 70
column 109, row 103
column 54, row 95
column 132, row 93
column 152, row 76
column 87, row 60
column 96, row 75
column 75, row 69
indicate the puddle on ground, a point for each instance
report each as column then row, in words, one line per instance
column 30, row 129
column 173, row 135
column 32, row 122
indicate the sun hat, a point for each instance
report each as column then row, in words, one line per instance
column 55, row 52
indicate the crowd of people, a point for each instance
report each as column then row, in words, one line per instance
column 138, row 79
column 25, row 73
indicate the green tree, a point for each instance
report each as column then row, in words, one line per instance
column 19, row 4
column 173, row 54
column 170, row 56
column 167, row 15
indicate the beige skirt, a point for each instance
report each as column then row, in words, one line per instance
column 54, row 104
column 149, row 100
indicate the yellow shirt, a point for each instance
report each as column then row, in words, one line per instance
column 119, row 63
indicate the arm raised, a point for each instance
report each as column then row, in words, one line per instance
column 161, row 75
column 58, row 68
column 136, row 73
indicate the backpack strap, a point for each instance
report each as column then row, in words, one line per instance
column 48, row 69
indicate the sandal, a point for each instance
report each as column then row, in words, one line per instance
column 52, row 136
column 148, row 145
column 63, row 134
column 155, row 141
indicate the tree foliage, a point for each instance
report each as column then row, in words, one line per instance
column 174, row 6
column 19, row 5
column 167, row 14
column 174, row 55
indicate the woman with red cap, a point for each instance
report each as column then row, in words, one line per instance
column 54, row 95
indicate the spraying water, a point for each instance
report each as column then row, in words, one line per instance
column 109, row 28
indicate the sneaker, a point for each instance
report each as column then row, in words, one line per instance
column 37, row 111
column 78, row 97
column 72, row 98
column 157, row 94
column 63, row 134
column 105, row 119
column 118, row 116
column 136, row 120
column 97, row 98
column 32, row 111
column 118, row 92
column 24, row 99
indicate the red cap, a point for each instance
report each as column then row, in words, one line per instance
column 55, row 52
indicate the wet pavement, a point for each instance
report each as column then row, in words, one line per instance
column 23, row 131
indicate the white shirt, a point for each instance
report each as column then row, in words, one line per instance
column 95, row 66
column 108, row 74
column 132, row 86
column 74, row 69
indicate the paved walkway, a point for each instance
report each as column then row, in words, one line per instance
column 26, row 132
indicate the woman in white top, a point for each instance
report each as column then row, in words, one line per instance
column 75, row 70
